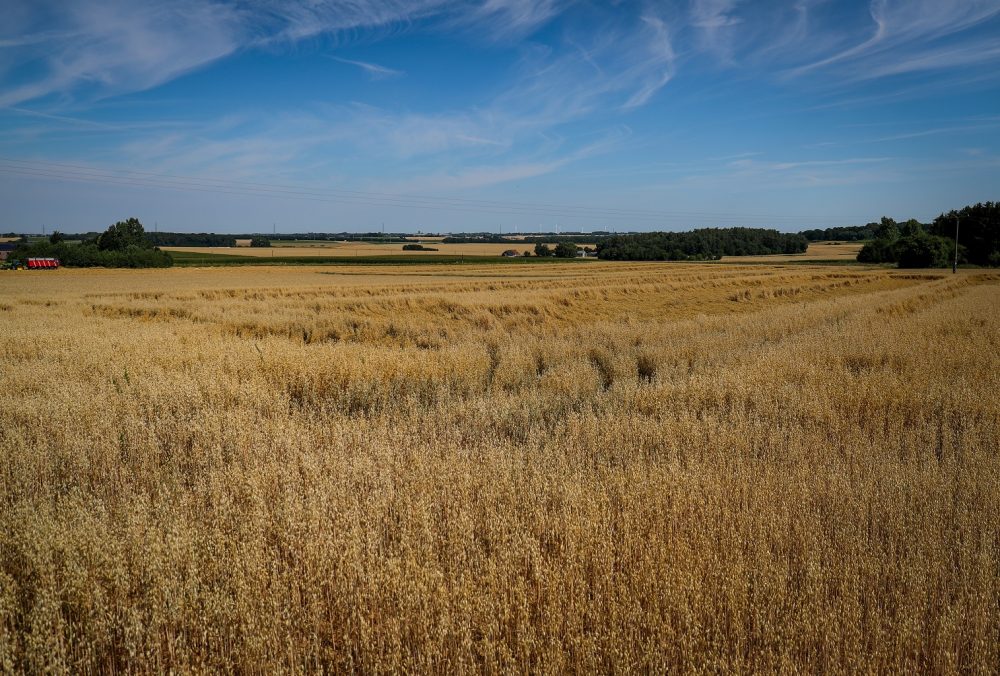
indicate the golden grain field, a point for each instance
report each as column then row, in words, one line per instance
column 817, row 251
column 578, row 468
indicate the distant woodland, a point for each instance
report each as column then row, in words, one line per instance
column 916, row 245
column 700, row 245
column 908, row 244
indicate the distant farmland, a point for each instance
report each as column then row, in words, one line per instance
column 360, row 249
column 202, row 257
column 818, row 251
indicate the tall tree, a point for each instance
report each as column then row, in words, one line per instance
column 122, row 235
column 978, row 231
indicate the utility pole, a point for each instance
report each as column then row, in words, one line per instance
column 954, row 266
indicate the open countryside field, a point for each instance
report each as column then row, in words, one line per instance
column 588, row 468
column 359, row 249
column 817, row 251
column 845, row 251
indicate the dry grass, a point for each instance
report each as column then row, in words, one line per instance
column 604, row 468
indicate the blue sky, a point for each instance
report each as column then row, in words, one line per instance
column 448, row 115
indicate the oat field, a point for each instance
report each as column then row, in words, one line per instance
column 580, row 468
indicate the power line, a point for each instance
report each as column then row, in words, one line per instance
column 394, row 196
column 423, row 203
column 70, row 172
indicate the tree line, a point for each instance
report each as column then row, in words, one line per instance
column 917, row 245
column 907, row 244
column 848, row 233
column 122, row 245
column 494, row 238
column 560, row 250
column 700, row 245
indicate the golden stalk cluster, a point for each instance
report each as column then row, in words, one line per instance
column 591, row 468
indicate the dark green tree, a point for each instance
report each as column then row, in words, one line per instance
column 978, row 232
column 848, row 233
column 260, row 242
column 922, row 251
column 565, row 250
column 883, row 249
column 887, row 229
column 911, row 228
column 122, row 235
column 543, row 250
column 878, row 251
column 701, row 244
column 56, row 237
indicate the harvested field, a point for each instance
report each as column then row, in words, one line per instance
column 359, row 249
column 817, row 251
column 586, row 468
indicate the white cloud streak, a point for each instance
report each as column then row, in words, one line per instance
column 374, row 70
column 902, row 30
column 715, row 20
column 98, row 48
column 115, row 46
column 88, row 49
column 91, row 49
column 509, row 19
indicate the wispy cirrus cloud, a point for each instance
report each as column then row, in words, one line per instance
column 374, row 70
column 110, row 46
column 275, row 21
column 654, row 64
column 99, row 48
column 902, row 30
column 714, row 20
column 508, row 19
column 621, row 68
column 505, row 170
column 941, row 59
column 560, row 75
column 514, row 133
column 755, row 173
column 89, row 49
column 845, row 42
